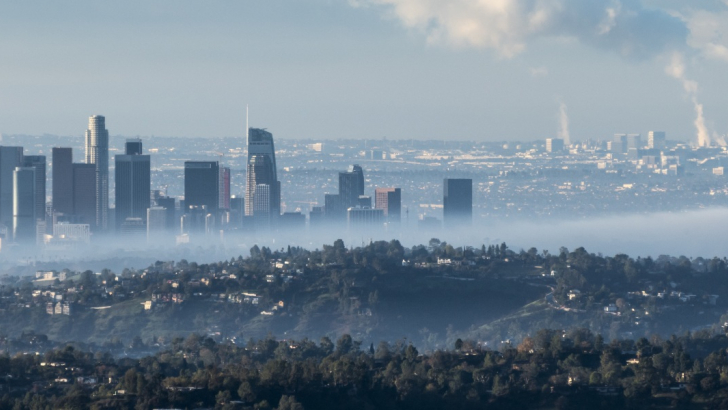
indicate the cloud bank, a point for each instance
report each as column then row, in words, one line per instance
column 625, row 27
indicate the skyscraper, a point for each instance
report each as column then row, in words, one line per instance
column 262, row 201
column 10, row 158
column 168, row 203
column 364, row 218
column 351, row 185
column 132, row 184
column 156, row 222
column 84, row 193
column 62, row 181
column 202, row 185
column 554, row 145
column 224, row 188
column 656, row 139
column 263, row 195
column 262, row 170
column 457, row 202
column 389, row 200
column 133, row 146
column 351, row 188
column 24, row 204
column 97, row 153
column 38, row 162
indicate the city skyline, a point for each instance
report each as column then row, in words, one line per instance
column 651, row 65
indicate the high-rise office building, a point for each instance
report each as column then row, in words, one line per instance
column 261, row 201
column 261, row 168
column 133, row 146
column 157, row 224
column 263, row 195
column 351, row 185
column 237, row 211
column 351, row 194
column 133, row 183
column 316, row 216
column 24, row 217
column 390, row 201
column 364, row 218
column 457, row 202
column 293, row 221
column 634, row 141
column 364, row 201
column 224, row 188
column 554, row 145
column 168, row 203
column 84, row 193
column 38, row 162
column 202, row 185
column 133, row 227
column 656, row 140
column 62, row 190
column 334, row 208
column 10, row 158
column 97, row 153
column 619, row 144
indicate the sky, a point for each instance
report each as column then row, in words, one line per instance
column 486, row 70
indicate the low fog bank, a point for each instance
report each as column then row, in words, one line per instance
column 691, row 234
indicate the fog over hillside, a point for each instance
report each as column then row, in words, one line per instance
column 651, row 234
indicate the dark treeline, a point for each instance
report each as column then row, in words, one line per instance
column 553, row 369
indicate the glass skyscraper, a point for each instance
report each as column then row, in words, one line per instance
column 261, row 172
column 97, row 153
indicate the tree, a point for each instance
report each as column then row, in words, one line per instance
column 255, row 252
column 344, row 345
column 87, row 279
column 327, row 347
column 289, row 403
column 246, row 392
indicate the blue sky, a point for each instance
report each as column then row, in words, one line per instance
column 362, row 69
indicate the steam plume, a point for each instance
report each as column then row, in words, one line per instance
column 676, row 69
column 564, row 123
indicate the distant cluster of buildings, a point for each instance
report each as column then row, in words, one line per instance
column 80, row 196
column 352, row 208
column 622, row 143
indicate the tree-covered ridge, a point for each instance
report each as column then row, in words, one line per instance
column 431, row 294
column 553, row 369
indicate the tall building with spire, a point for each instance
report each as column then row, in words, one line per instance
column 97, row 153
column 262, row 190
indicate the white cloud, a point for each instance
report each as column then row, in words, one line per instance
column 507, row 26
column 709, row 33
column 539, row 71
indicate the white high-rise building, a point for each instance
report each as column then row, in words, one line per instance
column 156, row 222
column 97, row 153
column 24, row 204
column 554, row 145
column 656, row 139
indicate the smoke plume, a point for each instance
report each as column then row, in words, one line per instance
column 564, row 125
column 676, row 69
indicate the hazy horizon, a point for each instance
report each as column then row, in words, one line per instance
column 403, row 69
